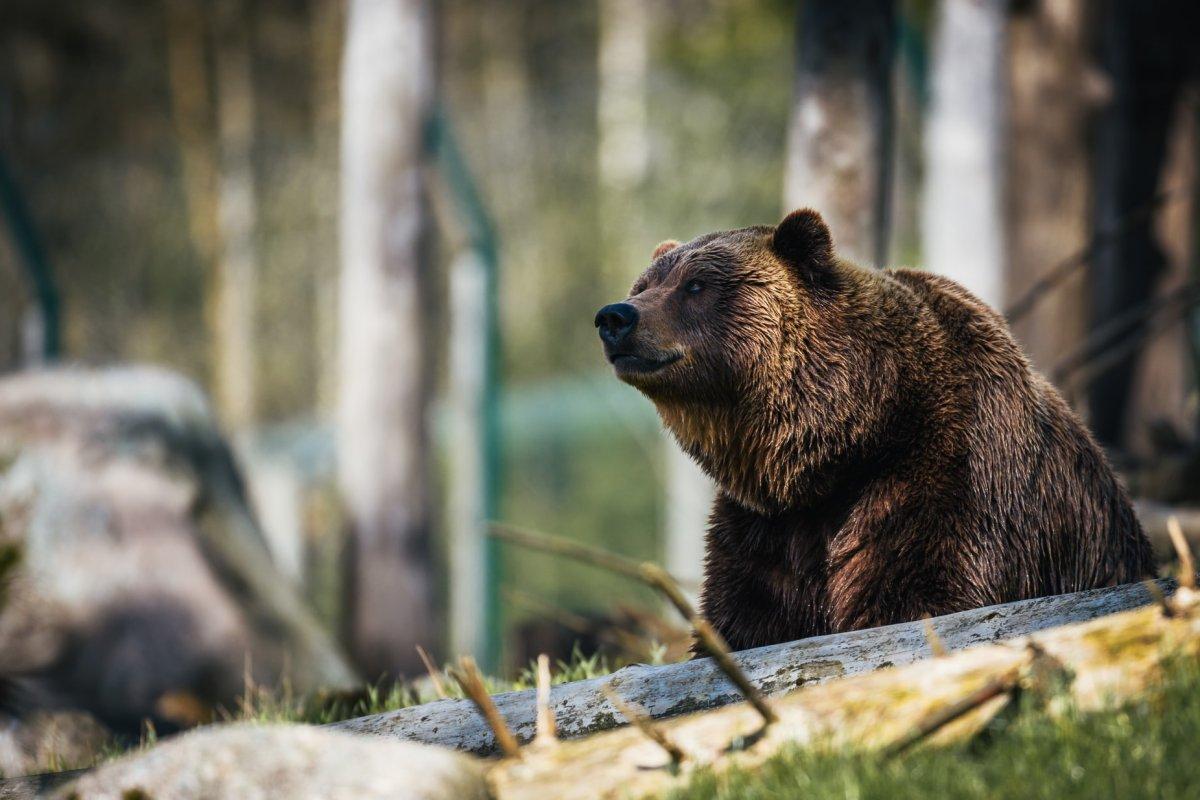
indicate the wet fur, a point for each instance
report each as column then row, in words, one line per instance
column 882, row 448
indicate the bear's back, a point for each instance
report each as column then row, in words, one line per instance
column 1036, row 477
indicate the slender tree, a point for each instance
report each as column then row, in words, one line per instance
column 235, row 284
column 383, row 448
column 839, row 143
column 963, row 215
column 1051, row 87
column 1148, row 53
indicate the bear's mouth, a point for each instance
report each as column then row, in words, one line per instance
column 630, row 363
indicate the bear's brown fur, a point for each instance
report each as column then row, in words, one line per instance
column 882, row 448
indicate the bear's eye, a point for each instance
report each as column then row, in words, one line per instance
column 693, row 287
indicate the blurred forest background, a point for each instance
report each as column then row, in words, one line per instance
column 175, row 175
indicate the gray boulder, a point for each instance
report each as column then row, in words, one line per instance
column 142, row 586
column 295, row 762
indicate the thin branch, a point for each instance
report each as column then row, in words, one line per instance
column 1122, row 350
column 1083, row 257
column 547, row 732
column 468, row 677
column 1115, row 332
column 996, row 687
column 658, row 578
column 577, row 551
column 438, row 688
column 638, row 717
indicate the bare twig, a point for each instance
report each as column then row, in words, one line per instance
column 996, row 687
column 638, row 717
column 1119, row 336
column 468, row 677
column 438, row 688
column 547, row 732
column 566, row 548
column 658, row 578
column 1187, row 566
column 936, row 645
column 1083, row 257
column 709, row 639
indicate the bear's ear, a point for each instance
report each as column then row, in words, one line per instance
column 803, row 239
column 664, row 248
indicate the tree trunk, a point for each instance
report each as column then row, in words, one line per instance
column 327, row 25
column 383, row 447
column 1146, row 52
column 962, row 219
column 839, row 143
column 235, row 290
column 1051, row 86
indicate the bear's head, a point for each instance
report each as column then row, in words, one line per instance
column 711, row 319
column 745, row 343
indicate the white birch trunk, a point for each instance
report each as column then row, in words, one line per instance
column 383, row 460
column 962, row 217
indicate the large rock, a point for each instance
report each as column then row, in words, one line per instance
column 143, row 587
column 295, row 762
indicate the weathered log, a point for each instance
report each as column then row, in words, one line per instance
column 581, row 708
column 1095, row 664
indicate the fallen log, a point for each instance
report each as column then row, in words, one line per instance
column 582, row 708
column 1090, row 665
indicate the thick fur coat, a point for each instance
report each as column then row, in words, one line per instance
column 882, row 448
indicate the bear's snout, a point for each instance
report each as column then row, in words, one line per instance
column 616, row 321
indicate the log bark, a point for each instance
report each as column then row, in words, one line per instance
column 581, row 708
column 1097, row 664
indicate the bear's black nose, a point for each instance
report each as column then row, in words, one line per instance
column 616, row 321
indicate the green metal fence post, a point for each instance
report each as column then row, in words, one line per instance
column 483, row 241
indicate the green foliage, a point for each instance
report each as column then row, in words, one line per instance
column 1145, row 749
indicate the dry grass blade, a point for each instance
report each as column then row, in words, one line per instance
column 547, row 732
column 467, row 676
column 1187, row 566
column 936, row 645
column 438, row 687
column 641, row 719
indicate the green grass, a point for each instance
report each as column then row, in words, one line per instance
column 282, row 705
column 1145, row 749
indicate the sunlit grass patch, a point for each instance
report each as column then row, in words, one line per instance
column 1144, row 749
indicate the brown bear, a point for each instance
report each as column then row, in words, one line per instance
column 883, row 449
